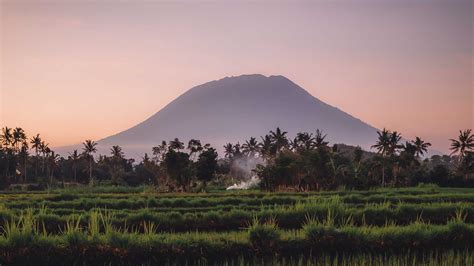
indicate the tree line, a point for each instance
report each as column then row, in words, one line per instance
column 305, row 162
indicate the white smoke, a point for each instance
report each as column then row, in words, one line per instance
column 242, row 168
column 254, row 182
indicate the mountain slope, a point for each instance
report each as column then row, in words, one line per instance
column 235, row 108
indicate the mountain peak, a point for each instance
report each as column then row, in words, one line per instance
column 235, row 108
column 253, row 77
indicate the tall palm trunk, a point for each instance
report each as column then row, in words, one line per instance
column 36, row 165
column 7, row 170
column 90, row 169
column 42, row 168
column 24, row 169
column 383, row 173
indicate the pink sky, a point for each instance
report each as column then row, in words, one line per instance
column 72, row 70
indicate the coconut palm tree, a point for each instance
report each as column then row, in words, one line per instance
column 420, row 146
column 303, row 141
column 19, row 137
column 160, row 151
column 228, row 150
column 176, row 145
column 23, row 154
column 319, row 139
column 36, row 145
column 53, row 160
column 74, row 156
column 394, row 141
column 194, row 147
column 116, row 171
column 117, row 152
column 267, row 150
column 43, row 149
column 6, row 139
column 250, row 147
column 237, row 151
column 383, row 146
column 90, row 148
column 279, row 139
column 463, row 145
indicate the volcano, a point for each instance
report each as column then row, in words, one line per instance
column 234, row 109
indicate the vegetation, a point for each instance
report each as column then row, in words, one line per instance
column 424, row 224
column 317, row 204
column 305, row 163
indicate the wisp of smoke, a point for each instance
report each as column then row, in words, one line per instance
column 242, row 168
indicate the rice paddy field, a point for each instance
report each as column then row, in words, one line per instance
column 424, row 225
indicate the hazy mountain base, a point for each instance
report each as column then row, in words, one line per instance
column 232, row 109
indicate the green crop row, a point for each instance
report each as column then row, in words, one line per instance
column 202, row 202
column 26, row 240
column 288, row 217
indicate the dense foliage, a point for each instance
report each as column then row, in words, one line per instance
column 306, row 162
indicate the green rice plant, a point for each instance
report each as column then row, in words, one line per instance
column 460, row 215
column 263, row 237
column 94, row 224
column 107, row 218
column 14, row 235
column 149, row 228
column 43, row 209
column 419, row 219
column 347, row 221
column 72, row 232
column 20, row 232
column 118, row 239
column 314, row 229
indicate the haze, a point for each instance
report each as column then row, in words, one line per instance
column 74, row 70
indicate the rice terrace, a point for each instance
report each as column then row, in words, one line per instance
column 426, row 224
column 246, row 133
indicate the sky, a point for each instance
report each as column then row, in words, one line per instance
column 74, row 70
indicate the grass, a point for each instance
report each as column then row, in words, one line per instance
column 426, row 225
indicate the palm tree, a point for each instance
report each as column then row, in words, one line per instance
column 266, row 147
column 303, row 141
column 176, row 145
column 383, row 146
column 117, row 152
column 279, row 139
column 36, row 144
column 24, row 155
column 19, row 137
column 463, row 145
column 228, row 150
column 395, row 138
column 237, row 152
column 420, row 146
column 159, row 151
column 74, row 156
column 53, row 164
column 7, row 138
column 250, row 147
column 43, row 149
column 116, row 163
column 90, row 148
column 319, row 138
column 47, row 152
column 194, row 147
